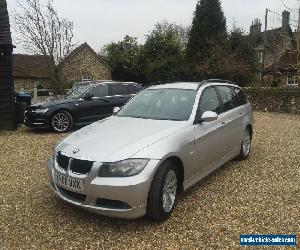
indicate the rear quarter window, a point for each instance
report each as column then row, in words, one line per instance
column 133, row 89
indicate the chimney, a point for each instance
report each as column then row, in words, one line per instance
column 255, row 28
column 285, row 20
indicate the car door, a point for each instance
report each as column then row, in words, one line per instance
column 96, row 108
column 119, row 94
column 209, row 136
column 231, row 119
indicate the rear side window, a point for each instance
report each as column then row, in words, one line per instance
column 133, row 89
column 99, row 91
column 118, row 89
column 209, row 102
column 228, row 98
column 239, row 96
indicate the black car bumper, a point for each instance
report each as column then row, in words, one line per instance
column 36, row 120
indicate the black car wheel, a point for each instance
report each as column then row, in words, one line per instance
column 163, row 192
column 61, row 122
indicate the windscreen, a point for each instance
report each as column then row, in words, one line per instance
column 160, row 104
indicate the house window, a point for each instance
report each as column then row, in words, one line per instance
column 260, row 56
column 292, row 80
column 86, row 78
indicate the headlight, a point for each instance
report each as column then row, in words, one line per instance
column 42, row 111
column 124, row 168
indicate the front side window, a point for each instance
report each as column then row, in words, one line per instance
column 77, row 91
column 160, row 104
column 229, row 102
column 209, row 102
column 239, row 97
column 99, row 91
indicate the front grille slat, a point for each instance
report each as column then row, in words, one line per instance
column 62, row 161
column 81, row 166
column 77, row 166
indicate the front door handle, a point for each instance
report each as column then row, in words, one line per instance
column 223, row 123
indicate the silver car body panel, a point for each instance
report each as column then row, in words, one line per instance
column 201, row 148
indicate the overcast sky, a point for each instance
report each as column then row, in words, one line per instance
column 99, row 22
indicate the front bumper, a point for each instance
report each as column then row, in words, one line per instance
column 123, row 197
column 36, row 120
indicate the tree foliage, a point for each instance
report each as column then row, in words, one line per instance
column 162, row 55
column 123, row 58
column 41, row 30
column 240, row 46
column 170, row 54
column 208, row 27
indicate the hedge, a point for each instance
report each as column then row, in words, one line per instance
column 282, row 100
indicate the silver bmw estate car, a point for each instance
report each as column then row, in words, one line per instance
column 163, row 141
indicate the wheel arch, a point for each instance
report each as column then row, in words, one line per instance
column 180, row 167
column 249, row 126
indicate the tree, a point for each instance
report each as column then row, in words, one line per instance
column 123, row 58
column 240, row 46
column 162, row 56
column 224, row 63
column 42, row 31
column 208, row 29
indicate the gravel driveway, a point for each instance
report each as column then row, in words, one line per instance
column 260, row 195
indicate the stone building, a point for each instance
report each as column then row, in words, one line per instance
column 279, row 63
column 83, row 64
column 30, row 71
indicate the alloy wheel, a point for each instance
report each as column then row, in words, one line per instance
column 169, row 191
column 60, row 122
column 246, row 142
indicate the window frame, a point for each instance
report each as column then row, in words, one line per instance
column 293, row 79
column 86, row 78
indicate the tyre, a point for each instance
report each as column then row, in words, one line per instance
column 246, row 145
column 61, row 122
column 163, row 192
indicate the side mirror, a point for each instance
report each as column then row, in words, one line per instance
column 88, row 96
column 209, row 116
column 116, row 109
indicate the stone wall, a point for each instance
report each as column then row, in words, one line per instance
column 282, row 100
column 84, row 63
column 27, row 84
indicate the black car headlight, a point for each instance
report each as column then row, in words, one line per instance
column 124, row 168
column 41, row 110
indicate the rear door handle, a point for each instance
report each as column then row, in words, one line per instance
column 223, row 123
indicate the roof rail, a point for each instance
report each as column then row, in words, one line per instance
column 218, row 80
column 215, row 80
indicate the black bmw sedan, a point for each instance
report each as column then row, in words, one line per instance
column 85, row 103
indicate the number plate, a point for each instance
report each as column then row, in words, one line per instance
column 69, row 182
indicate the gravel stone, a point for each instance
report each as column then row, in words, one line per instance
column 258, row 196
